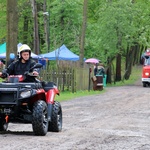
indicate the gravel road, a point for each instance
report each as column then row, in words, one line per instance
column 118, row 119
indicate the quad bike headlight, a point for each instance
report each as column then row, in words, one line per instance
column 146, row 73
column 26, row 93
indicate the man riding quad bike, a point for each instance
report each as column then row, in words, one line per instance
column 25, row 99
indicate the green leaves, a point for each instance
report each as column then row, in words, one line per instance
column 107, row 22
column 2, row 21
column 114, row 20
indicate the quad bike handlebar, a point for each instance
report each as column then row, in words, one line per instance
column 27, row 74
column 30, row 74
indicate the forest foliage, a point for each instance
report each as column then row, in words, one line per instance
column 116, row 30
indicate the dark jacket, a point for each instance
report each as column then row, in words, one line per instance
column 19, row 68
column 95, row 71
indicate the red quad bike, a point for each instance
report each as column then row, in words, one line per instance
column 30, row 102
column 146, row 70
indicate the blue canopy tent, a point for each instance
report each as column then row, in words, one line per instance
column 62, row 53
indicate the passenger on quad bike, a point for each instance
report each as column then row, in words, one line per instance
column 23, row 64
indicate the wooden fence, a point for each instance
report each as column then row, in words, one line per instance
column 67, row 79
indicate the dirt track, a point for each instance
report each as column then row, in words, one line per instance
column 116, row 120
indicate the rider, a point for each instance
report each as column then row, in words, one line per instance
column 23, row 63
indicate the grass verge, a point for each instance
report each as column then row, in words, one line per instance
column 64, row 96
column 135, row 76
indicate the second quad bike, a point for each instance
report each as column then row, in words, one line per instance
column 30, row 102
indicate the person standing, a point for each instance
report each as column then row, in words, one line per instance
column 95, row 69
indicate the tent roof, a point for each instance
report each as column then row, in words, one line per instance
column 3, row 48
column 62, row 53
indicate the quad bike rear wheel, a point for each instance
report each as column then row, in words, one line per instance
column 40, row 118
column 55, row 125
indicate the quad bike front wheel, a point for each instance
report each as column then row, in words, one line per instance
column 40, row 118
column 55, row 125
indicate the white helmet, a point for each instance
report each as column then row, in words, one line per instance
column 24, row 48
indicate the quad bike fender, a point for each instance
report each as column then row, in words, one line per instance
column 50, row 96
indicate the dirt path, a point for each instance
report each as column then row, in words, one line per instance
column 116, row 120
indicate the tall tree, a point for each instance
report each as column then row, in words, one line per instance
column 36, row 30
column 46, row 25
column 82, row 41
column 118, row 57
column 12, row 28
column 3, row 21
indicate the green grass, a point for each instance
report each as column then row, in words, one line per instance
column 68, row 95
column 1, row 79
column 136, row 75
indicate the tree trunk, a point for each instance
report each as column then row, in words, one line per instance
column 129, row 59
column 25, row 30
column 62, row 22
column 109, row 72
column 36, row 32
column 118, row 57
column 118, row 67
column 109, row 69
column 82, row 40
column 12, row 28
column 46, row 25
column 137, row 54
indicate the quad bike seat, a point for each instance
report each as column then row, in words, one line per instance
column 48, row 85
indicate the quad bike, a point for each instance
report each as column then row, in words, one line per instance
column 30, row 102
